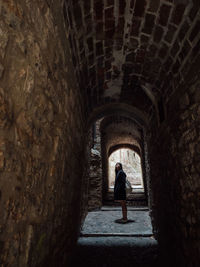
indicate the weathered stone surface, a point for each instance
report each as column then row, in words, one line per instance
column 105, row 251
column 184, row 101
column 177, row 174
column 139, row 223
column 40, row 111
column 1, row 70
column 95, row 172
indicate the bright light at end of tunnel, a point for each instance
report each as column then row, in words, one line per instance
column 131, row 163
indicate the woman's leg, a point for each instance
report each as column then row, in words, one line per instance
column 124, row 209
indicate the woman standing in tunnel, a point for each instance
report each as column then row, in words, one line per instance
column 120, row 190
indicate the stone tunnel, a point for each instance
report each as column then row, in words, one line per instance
column 132, row 69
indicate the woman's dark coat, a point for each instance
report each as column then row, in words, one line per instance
column 120, row 186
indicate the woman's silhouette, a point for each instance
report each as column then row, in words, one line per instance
column 120, row 190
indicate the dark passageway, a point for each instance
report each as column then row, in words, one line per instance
column 78, row 80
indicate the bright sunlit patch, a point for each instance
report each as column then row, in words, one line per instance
column 131, row 163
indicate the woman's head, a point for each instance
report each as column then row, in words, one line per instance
column 118, row 166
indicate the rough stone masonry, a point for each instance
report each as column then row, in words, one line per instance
column 41, row 140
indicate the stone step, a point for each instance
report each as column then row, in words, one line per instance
column 116, row 251
column 106, row 243
column 133, row 203
column 134, row 208
column 116, row 234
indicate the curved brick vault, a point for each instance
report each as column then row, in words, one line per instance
column 131, row 51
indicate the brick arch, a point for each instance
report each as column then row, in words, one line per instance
column 123, row 129
column 117, row 118
column 119, row 146
column 121, row 109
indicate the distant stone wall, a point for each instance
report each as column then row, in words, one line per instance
column 175, row 171
column 41, row 138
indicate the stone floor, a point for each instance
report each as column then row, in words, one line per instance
column 103, row 223
column 105, row 243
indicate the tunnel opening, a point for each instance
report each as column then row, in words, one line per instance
column 113, row 132
column 131, row 163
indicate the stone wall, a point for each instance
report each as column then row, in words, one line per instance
column 175, row 169
column 95, row 172
column 41, row 140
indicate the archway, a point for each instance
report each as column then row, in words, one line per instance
column 131, row 163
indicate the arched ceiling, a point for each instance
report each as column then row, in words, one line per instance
column 117, row 123
column 131, row 51
column 120, row 131
column 119, row 109
column 120, row 146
